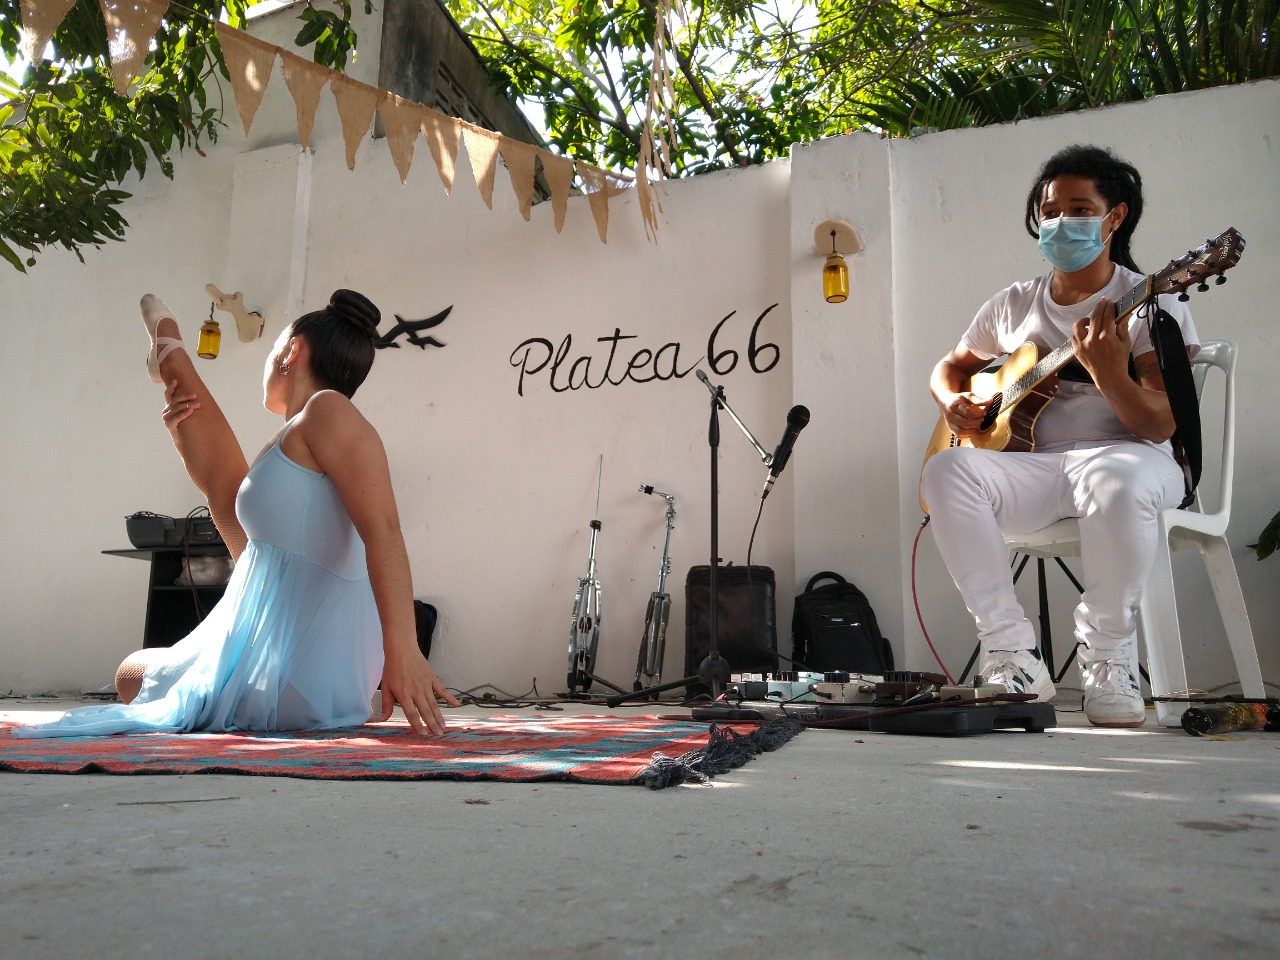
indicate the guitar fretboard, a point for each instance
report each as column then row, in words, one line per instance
column 1054, row 359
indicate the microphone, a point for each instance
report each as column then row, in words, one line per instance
column 797, row 418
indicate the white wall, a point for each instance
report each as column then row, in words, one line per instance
column 846, row 481
column 496, row 488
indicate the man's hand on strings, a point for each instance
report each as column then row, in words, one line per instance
column 1102, row 343
column 965, row 412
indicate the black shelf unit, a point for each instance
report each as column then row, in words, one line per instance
column 173, row 610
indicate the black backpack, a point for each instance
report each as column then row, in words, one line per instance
column 834, row 629
column 424, row 619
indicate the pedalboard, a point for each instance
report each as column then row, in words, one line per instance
column 933, row 719
column 898, row 702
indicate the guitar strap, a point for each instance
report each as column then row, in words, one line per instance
column 1180, row 385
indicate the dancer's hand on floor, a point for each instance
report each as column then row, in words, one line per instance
column 409, row 681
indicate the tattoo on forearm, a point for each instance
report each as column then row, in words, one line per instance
column 1146, row 368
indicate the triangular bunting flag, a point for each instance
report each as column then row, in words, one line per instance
column 249, row 62
column 356, row 105
column 650, row 201
column 402, row 119
column 593, row 180
column 482, row 149
column 441, row 134
column 40, row 19
column 305, row 80
column 130, row 26
column 559, row 174
column 521, row 161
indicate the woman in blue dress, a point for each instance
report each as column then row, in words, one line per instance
column 319, row 608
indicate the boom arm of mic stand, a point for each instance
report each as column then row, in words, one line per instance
column 718, row 393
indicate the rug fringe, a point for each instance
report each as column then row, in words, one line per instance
column 726, row 750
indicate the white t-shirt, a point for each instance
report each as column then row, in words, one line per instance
column 1026, row 311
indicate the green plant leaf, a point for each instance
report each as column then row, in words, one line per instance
column 1266, row 544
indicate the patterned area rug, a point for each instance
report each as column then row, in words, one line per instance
column 652, row 751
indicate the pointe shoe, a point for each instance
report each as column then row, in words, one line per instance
column 153, row 311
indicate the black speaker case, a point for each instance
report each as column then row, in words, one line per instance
column 746, row 620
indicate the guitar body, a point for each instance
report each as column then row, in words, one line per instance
column 1009, row 428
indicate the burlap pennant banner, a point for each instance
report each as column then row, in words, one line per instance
column 130, row 26
column 482, row 151
column 521, row 160
column 40, row 19
column 249, row 62
column 357, row 103
column 558, row 172
column 402, row 120
column 593, row 181
column 441, row 134
column 305, row 80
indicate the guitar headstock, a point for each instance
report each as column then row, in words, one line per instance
column 1213, row 258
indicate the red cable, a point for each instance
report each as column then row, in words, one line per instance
column 915, row 598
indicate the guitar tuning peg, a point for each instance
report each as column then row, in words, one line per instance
column 1183, row 297
column 1222, row 278
column 1203, row 286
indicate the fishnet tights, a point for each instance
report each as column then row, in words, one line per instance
column 209, row 450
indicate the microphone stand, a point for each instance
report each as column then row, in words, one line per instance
column 714, row 671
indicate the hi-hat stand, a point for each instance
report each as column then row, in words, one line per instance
column 654, row 641
column 584, row 625
column 714, row 671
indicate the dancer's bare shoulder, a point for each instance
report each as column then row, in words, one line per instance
column 331, row 433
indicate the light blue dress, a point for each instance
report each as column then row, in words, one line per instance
column 295, row 642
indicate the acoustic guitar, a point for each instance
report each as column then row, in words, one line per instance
column 1027, row 381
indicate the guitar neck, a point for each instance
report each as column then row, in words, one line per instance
column 1054, row 360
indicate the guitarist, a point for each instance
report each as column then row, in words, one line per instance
column 1101, row 449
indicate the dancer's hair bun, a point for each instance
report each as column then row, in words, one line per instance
column 357, row 310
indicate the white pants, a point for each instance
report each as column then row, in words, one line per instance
column 1117, row 491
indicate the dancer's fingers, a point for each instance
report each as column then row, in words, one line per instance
column 177, row 411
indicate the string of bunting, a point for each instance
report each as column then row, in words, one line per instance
column 658, row 133
column 250, row 63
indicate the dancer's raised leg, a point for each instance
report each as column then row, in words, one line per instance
column 200, row 431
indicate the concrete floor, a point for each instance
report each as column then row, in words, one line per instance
column 1072, row 843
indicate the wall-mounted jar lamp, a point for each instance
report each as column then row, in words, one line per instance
column 210, row 338
column 834, row 238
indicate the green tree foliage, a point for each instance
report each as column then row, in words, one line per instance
column 750, row 79
column 68, row 139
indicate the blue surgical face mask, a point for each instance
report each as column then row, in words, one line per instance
column 1072, row 243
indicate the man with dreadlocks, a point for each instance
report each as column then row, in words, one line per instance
column 1101, row 451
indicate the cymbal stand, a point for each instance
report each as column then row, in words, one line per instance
column 654, row 640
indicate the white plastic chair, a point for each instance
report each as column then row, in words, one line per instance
column 1180, row 530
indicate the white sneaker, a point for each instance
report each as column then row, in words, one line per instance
column 1018, row 671
column 1112, row 697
